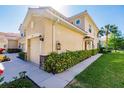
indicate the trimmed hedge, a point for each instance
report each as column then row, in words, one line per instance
column 14, row 50
column 57, row 63
column 23, row 55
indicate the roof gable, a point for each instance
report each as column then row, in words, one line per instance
column 85, row 13
column 48, row 12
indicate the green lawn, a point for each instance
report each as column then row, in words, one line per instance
column 106, row 72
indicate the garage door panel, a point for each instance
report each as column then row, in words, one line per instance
column 12, row 44
column 35, row 50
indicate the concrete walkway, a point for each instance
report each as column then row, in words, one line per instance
column 42, row 78
column 16, row 65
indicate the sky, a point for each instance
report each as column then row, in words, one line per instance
column 12, row 16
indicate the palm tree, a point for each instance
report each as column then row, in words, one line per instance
column 99, row 35
column 116, row 35
column 106, row 30
column 101, row 32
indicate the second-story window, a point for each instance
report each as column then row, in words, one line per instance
column 90, row 28
column 22, row 34
column 77, row 22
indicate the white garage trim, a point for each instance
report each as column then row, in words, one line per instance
column 33, row 35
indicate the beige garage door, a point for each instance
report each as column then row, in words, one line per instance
column 35, row 50
column 12, row 44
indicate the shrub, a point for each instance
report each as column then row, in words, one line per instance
column 104, row 50
column 14, row 50
column 22, row 82
column 101, row 49
column 23, row 55
column 19, row 83
column 57, row 63
column 95, row 51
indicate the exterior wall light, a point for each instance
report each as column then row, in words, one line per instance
column 58, row 45
column 41, row 38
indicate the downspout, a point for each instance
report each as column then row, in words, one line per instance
column 53, row 34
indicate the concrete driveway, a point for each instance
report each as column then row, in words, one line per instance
column 40, row 77
column 16, row 65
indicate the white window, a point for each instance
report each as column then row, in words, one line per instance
column 77, row 21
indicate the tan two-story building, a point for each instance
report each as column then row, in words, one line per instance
column 9, row 40
column 44, row 30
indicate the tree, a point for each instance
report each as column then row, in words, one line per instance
column 106, row 30
column 115, row 36
column 116, row 39
column 99, row 35
column 120, row 43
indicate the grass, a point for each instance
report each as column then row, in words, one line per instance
column 106, row 72
column 20, row 83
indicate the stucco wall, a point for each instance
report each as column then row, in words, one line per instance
column 85, row 22
column 48, row 37
column 3, row 43
column 22, row 43
column 52, row 32
column 81, row 18
column 69, row 39
column 38, row 28
column 93, row 32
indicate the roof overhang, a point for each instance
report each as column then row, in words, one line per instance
column 47, row 13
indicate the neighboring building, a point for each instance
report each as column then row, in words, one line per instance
column 45, row 30
column 9, row 40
